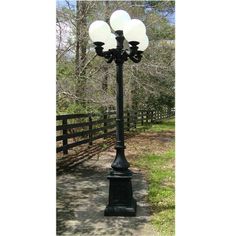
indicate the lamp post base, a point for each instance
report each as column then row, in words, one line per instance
column 121, row 201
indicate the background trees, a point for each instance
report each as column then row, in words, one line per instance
column 86, row 82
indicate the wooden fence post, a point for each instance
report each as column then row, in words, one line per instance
column 135, row 119
column 90, row 129
column 169, row 112
column 128, row 120
column 65, row 141
column 141, row 117
column 147, row 116
column 151, row 116
column 105, row 123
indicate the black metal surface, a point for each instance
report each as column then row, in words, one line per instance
column 119, row 55
column 121, row 201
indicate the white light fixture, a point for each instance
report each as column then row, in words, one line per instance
column 133, row 29
column 110, row 43
column 143, row 42
column 99, row 31
column 119, row 19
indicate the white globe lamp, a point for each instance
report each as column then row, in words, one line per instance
column 143, row 42
column 134, row 29
column 99, row 31
column 119, row 19
column 110, row 42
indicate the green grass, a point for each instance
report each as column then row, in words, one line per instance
column 160, row 170
column 166, row 125
column 161, row 190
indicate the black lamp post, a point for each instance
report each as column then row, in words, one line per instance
column 121, row 201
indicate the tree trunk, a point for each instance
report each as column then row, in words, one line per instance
column 105, row 77
column 81, row 46
column 77, row 50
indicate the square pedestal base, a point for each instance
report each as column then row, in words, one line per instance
column 121, row 210
column 121, row 201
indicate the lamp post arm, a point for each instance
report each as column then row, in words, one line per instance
column 99, row 48
column 136, row 58
column 108, row 55
column 134, row 54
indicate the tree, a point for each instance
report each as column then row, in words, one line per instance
column 85, row 82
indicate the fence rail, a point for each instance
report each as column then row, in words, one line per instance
column 77, row 129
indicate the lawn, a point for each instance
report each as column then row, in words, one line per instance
column 167, row 125
column 160, row 173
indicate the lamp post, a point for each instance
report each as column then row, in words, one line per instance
column 110, row 46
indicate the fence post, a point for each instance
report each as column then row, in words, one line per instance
column 65, row 141
column 141, row 117
column 90, row 130
column 151, row 116
column 147, row 116
column 135, row 119
column 169, row 111
column 128, row 121
column 105, row 124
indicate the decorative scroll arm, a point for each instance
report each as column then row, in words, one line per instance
column 119, row 55
column 108, row 55
column 136, row 58
column 134, row 54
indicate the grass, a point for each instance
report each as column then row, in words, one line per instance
column 166, row 125
column 160, row 173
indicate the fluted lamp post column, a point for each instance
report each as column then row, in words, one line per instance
column 110, row 46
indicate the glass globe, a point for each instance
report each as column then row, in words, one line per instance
column 133, row 29
column 99, row 31
column 110, row 43
column 119, row 19
column 143, row 42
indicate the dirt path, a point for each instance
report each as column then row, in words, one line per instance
column 82, row 194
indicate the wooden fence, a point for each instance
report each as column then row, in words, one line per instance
column 77, row 129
